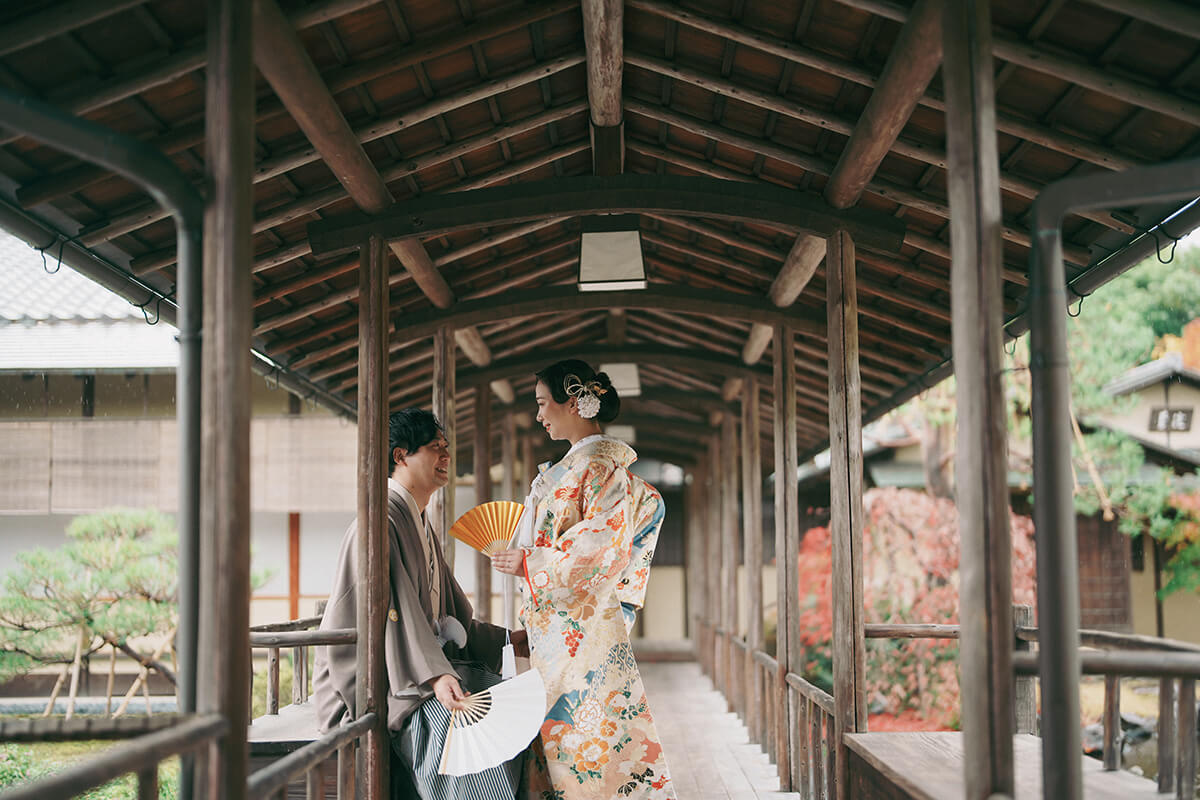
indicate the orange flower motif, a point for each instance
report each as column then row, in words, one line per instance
column 608, row 728
column 566, row 493
column 592, row 755
column 616, row 520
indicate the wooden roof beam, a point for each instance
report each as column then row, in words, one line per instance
column 286, row 65
column 914, row 59
column 35, row 28
column 1178, row 17
column 1040, row 59
column 604, row 43
column 926, row 154
column 1036, row 133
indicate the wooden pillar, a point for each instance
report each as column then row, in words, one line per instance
column 483, row 493
column 508, row 457
column 787, row 546
column 293, row 565
column 371, row 687
column 692, row 558
column 442, row 506
column 729, row 547
column 712, row 555
column 223, row 657
column 752, row 546
column 981, row 478
column 845, row 501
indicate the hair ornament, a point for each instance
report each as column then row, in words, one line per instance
column 587, row 395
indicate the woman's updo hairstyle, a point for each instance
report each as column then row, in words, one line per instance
column 556, row 375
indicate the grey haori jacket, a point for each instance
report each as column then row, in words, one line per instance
column 413, row 653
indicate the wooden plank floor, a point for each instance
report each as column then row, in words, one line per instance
column 708, row 751
column 929, row 766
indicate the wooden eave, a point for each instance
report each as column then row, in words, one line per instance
column 447, row 97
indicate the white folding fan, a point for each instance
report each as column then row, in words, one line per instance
column 498, row 723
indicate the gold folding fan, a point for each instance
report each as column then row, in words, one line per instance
column 488, row 527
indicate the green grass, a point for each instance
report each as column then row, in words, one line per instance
column 21, row 763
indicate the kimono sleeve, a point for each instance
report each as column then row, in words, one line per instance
column 589, row 557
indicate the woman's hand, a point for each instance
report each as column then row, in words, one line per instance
column 510, row 562
column 449, row 692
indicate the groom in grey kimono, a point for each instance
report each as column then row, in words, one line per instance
column 433, row 646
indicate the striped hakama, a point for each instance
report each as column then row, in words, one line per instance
column 418, row 747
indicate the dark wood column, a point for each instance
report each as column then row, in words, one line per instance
column 712, row 554
column 787, row 544
column 483, row 493
column 981, row 479
column 729, row 547
column 223, row 657
column 373, row 463
column 444, row 385
column 752, row 546
column 508, row 489
column 845, row 501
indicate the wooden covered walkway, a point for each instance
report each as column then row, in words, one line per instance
column 709, row 751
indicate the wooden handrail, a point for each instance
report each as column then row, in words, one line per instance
column 816, row 694
column 137, row 755
column 1146, row 663
column 270, row 779
column 301, row 624
column 766, row 660
column 304, row 638
column 879, row 630
column 84, row 728
column 1111, row 640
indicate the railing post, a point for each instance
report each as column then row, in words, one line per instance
column 1112, row 722
column 729, row 551
column 1166, row 735
column 1025, row 691
column 1185, row 737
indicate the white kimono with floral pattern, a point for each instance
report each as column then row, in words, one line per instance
column 595, row 530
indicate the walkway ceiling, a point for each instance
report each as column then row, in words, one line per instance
column 446, row 97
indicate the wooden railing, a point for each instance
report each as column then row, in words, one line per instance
column 748, row 679
column 155, row 739
column 306, row 762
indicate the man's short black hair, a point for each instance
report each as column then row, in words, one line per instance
column 411, row 429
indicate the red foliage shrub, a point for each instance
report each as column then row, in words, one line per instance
column 910, row 557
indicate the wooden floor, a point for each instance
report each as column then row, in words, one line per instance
column 929, row 766
column 708, row 752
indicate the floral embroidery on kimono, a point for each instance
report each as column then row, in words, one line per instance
column 597, row 525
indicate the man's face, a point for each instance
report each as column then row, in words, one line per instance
column 429, row 466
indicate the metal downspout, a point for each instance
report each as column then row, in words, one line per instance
column 154, row 172
column 1054, row 507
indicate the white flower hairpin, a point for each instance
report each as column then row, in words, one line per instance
column 587, row 395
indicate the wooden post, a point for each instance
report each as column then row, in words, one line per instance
column 712, row 554
column 442, row 507
column 293, row 564
column 1166, row 735
column 729, row 547
column 693, row 560
column 1025, row 692
column 371, row 688
column 223, row 652
column 752, row 545
column 508, row 456
column 483, row 493
column 985, row 590
column 845, row 502
column 787, row 524
column 1185, row 740
column 1113, row 737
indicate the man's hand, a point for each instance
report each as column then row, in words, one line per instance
column 448, row 692
column 510, row 562
column 520, row 643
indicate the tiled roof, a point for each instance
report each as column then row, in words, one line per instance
column 66, row 322
column 31, row 293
